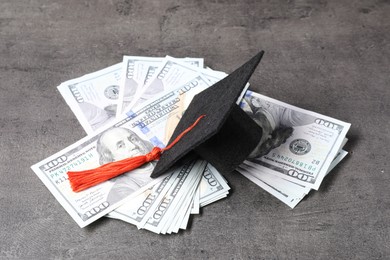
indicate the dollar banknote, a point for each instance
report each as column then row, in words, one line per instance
column 171, row 73
column 98, row 98
column 158, row 117
column 195, row 207
column 212, row 187
column 286, row 191
column 270, row 185
column 135, row 209
column 136, row 70
column 174, row 193
column 288, row 187
column 297, row 144
column 112, row 144
column 178, row 198
column 93, row 98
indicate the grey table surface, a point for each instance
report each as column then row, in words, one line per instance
column 331, row 57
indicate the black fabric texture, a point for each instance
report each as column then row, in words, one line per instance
column 217, row 103
column 232, row 144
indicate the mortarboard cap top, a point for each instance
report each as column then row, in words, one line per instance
column 226, row 135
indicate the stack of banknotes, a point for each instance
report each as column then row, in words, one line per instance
column 128, row 108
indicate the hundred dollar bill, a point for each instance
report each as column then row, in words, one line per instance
column 196, row 203
column 96, row 98
column 111, row 144
column 178, row 197
column 212, row 186
column 93, row 98
column 135, row 209
column 179, row 219
column 288, row 199
column 135, row 71
column 288, row 192
column 183, row 221
column 297, row 144
column 158, row 118
column 339, row 157
column 170, row 74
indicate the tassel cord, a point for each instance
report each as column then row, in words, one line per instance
column 81, row 180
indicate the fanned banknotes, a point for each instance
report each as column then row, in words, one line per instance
column 148, row 124
column 129, row 107
column 298, row 149
column 136, row 73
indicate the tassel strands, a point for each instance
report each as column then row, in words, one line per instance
column 81, row 180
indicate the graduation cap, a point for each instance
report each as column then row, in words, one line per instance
column 226, row 135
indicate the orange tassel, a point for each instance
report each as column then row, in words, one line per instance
column 82, row 180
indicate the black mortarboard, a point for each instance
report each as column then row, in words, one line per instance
column 226, row 135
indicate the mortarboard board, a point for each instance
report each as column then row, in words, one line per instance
column 226, row 135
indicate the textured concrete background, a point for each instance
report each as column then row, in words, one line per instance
column 328, row 56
